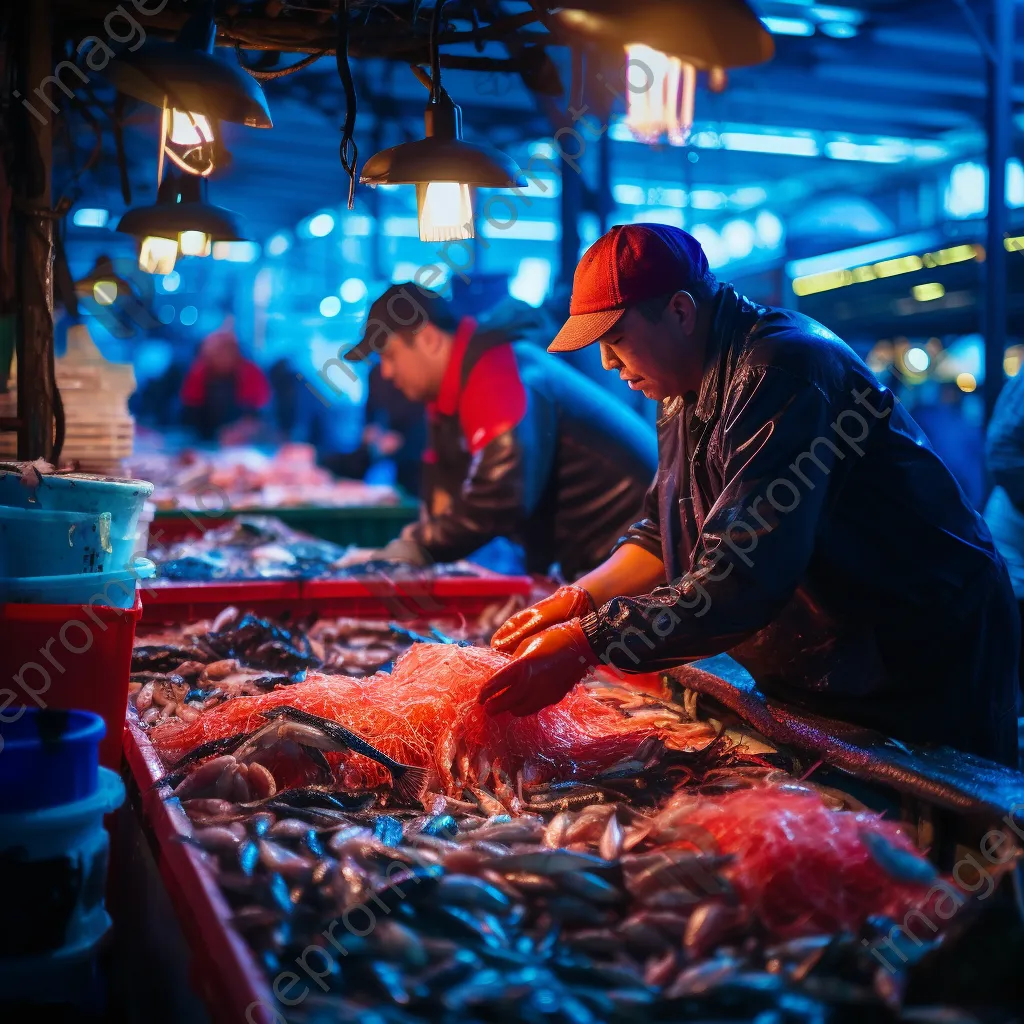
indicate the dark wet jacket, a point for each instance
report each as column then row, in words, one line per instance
column 522, row 446
column 811, row 531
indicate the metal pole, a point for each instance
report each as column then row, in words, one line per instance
column 998, row 117
column 35, row 239
column 604, row 181
column 571, row 204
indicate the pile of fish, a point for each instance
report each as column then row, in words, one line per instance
column 181, row 672
column 264, row 548
column 610, row 859
column 580, row 916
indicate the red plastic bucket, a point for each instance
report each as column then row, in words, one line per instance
column 69, row 656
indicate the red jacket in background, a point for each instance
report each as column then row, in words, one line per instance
column 252, row 389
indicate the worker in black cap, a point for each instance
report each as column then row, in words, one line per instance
column 800, row 522
column 519, row 445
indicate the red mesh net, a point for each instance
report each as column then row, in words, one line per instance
column 801, row 867
column 426, row 713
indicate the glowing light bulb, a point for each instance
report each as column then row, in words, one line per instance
column 105, row 292
column 157, row 255
column 187, row 141
column 195, row 243
column 445, row 211
column 661, row 94
column 190, row 129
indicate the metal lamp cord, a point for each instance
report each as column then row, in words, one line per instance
column 435, row 51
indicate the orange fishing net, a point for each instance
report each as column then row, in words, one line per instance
column 426, row 713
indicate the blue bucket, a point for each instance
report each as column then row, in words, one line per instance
column 83, row 492
column 55, row 859
column 114, row 589
column 38, row 542
column 48, row 757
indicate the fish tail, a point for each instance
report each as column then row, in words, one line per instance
column 408, row 781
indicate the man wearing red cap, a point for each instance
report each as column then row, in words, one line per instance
column 800, row 521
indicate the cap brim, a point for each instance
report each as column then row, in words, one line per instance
column 358, row 352
column 584, row 329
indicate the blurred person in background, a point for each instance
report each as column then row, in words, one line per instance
column 385, row 446
column 224, row 393
column 1004, row 512
column 160, row 369
column 941, row 412
column 520, row 445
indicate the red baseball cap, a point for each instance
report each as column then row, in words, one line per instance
column 628, row 264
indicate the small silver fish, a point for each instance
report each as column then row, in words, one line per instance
column 900, row 864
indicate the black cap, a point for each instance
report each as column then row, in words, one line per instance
column 402, row 309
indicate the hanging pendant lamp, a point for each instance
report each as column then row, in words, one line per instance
column 181, row 222
column 193, row 89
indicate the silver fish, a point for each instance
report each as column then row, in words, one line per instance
column 900, row 864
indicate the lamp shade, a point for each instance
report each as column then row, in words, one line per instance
column 439, row 159
column 102, row 271
column 705, row 33
column 187, row 76
column 442, row 156
column 182, row 206
column 190, row 80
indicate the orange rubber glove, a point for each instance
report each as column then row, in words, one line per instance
column 545, row 669
column 565, row 603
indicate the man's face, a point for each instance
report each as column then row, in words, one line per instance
column 412, row 364
column 663, row 359
column 221, row 354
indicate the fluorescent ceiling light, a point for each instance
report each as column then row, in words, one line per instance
column 838, row 29
column 748, row 196
column 528, row 230
column 842, row 15
column 401, row 227
column 845, row 259
column 783, row 145
column 629, row 195
column 659, row 215
column 358, row 224
column 236, row 252
column 788, row 26
column 91, row 218
column 875, row 153
column 706, row 199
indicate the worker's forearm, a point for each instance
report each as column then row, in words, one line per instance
column 630, row 570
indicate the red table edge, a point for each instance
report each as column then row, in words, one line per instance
column 188, row 600
column 232, row 982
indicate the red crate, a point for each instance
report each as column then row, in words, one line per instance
column 372, row 597
column 70, row 656
column 224, row 972
column 173, row 603
column 428, row 597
